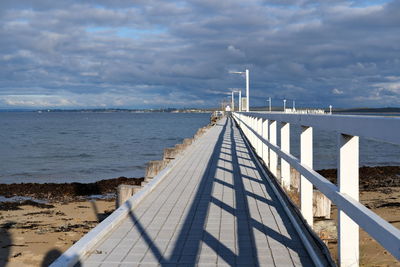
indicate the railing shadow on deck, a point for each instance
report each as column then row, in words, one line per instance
column 193, row 234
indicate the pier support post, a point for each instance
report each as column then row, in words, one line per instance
column 273, row 158
column 306, row 187
column 285, row 146
column 348, row 182
column 124, row 192
column 265, row 135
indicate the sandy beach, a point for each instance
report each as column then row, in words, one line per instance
column 34, row 234
column 380, row 192
column 386, row 203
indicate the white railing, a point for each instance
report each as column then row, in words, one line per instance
column 261, row 130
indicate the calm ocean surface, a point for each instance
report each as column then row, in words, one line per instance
column 85, row 147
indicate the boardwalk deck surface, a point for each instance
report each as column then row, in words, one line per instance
column 212, row 209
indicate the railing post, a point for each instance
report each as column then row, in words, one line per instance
column 254, row 126
column 273, row 158
column 248, row 127
column 348, row 163
column 260, row 132
column 285, row 146
column 265, row 135
column 251, row 135
column 306, row 187
column 248, row 121
column 244, row 127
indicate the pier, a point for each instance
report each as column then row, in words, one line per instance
column 222, row 201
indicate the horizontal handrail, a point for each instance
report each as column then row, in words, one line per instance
column 382, row 231
column 385, row 129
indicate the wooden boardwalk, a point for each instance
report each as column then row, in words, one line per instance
column 212, row 209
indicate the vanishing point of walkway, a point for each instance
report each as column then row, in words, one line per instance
column 213, row 209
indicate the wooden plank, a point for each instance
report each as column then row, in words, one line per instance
column 212, row 208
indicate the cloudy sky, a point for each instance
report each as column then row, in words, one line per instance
column 159, row 53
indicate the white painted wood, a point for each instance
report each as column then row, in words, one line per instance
column 250, row 133
column 273, row 158
column 306, row 187
column 244, row 126
column 348, row 161
column 247, row 90
column 260, row 132
column 385, row 129
column 265, row 149
column 255, row 129
column 251, row 128
column 285, row 146
column 382, row 231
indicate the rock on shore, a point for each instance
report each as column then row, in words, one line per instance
column 65, row 191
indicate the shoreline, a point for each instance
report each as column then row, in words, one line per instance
column 371, row 178
column 35, row 231
column 62, row 192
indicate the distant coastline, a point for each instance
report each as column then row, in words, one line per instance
column 197, row 110
column 385, row 110
column 114, row 110
column 370, row 110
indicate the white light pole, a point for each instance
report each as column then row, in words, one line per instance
column 237, row 90
column 294, row 105
column 330, row 109
column 233, row 102
column 247, row 86
column 247, row 90
column 240, row 100
column 284, row 105
column 269, row 101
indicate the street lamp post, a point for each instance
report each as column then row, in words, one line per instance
column 330, row 109
column 240, row 100
column 247, row 86
column 233, row 102
column 247, row 90
column 233, row 91
column 269, row 101
column 284, row 105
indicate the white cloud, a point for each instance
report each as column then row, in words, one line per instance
column 79, row 54
column 336, row 91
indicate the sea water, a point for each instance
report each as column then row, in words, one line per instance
column 86, row 146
